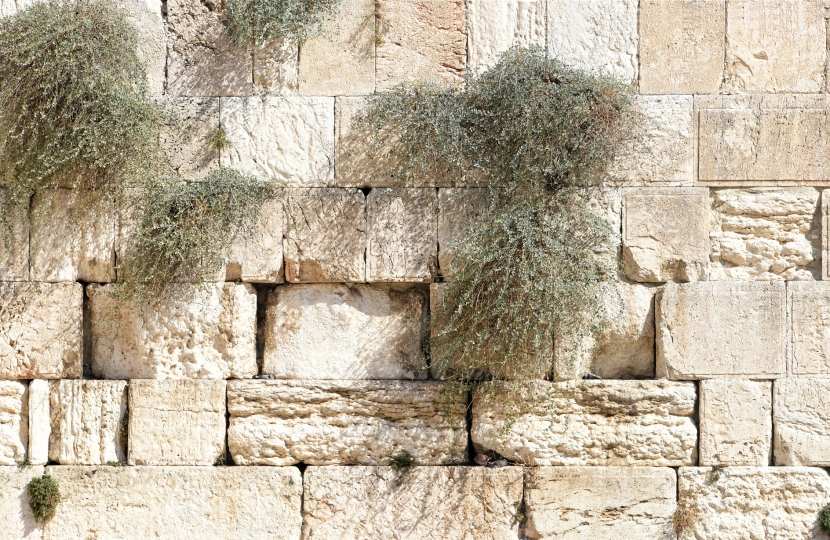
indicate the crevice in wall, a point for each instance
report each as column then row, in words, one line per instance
column 696, row 420
column 366, row 191
column 86, row 333
column 228, row 460
column 262, row 292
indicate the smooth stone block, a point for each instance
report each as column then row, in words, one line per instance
column 359, row 162
column 276, row 67
column 15, row 512
column 147, row 18
column 14, row 422
column 14, row 248
column 809, row 311
column 493, row 26
column 40, row 421
column 256, row 255
column 459, row 210
column 801, row 412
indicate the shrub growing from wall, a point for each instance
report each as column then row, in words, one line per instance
column 255, row 21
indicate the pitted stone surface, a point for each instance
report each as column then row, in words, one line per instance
column 15, row 512
column 801, row 416
column 342, row 423
column 14, row 422
column 14, row 249
column 256, row 255
column 458, row 210
column 186, row 135
column 735, row 422
column 809, row 308
column 496, row 25
column 598, row 423
column 40, row 422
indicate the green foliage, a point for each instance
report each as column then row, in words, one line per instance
column 824, row 519
column 44, row 497
column 259, row 20
column 219, row 140
column 402, row 463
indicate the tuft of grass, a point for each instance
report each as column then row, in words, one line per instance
column 824, row 519
column 44, row 497
column 24, row 463
column 684, row 520
column 257, row 21
column 219, row 140
column 117, row 463
column 713, row 476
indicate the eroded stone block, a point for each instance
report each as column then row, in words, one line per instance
column 256, row 255
column 40, row 422
column 14, row 422
column 14, row 241
column 801, row 414
column 458, row 210
column 188, row 132
column 735, row 422
column 809, row 309
column 493, row 26
column 15, row 512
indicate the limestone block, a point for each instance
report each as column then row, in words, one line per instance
column 735, row 422
column 342, row 423
column 427, row 502
column 290, row 139
column 358, row 162
column 665, row 234
column 342, row 60
column 206, row 331
column 14, row 241
column 276, row 67
column 15, row 512
column 402, row 243
column 493, row 26
column 10, row 7
column 420, row 41
column 765, row 234
column 256, row 255
column 754, row 502
column 825, row 235
column 775, row 46
column 809, row 310
column 176, row 422
column 146, row 17
column 325, row 237
column 177, row 503
column 40, row 422
column 625, row 423
column 571, row 503
column 187, row 132
column 721, row 329
column 801, row 413
column 682, row 46
column 458, row 210
column 14, row 422
column 599, row 36
column 41, row 329
column 88, row 422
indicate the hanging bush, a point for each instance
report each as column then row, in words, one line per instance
column 255, row 21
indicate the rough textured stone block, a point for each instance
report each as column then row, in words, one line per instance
column 325, row 237
column 342, row 423
column 177, row 503
column 765, row 234
column 809, row 310
column 146, row 17
column 40, row 422
column 458, row 210
column 402, row 241
column 599, row 502
column 186, row 135
column 41, row 330
column 290, row 139
column 721, row 329
column 665, row 234
column 493, row 26
column 14, row 422
column 15, row 512
column 177, row 422
column 426, row 502
column 735, row 422
column 256, row 255
column 204, row 332
column 682, row 46
column 14, row 248
column 276, row 67
column 590, row 423
column 801, row 414
column 88, row 422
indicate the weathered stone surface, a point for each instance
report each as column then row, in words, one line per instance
column 665, row 234
column 342, row 331
column 10, row 7
column 14, row 248
column 599, row 502
column 342, row 423
column 402, row 241
column 496, row 25
column 176, row 422
column 15, row 512
column 276, row 67
column 325, row 236
column 735, row 422
column 765, row 234
column 591, row 423
column 146, row 17
column 88, row 422
column 40, row 422
column 682, row 46
column 721, row 329
column 41, row 330
column 420, row 40
column 204, row 332
column 458, row 210
column 256, row 255
column 825, row 235
column 599, row 35
column 425, row 502
column 809, row 310
column 14, row 422
column 177, row 503
column 754, row 502
column 284, row 138
column 801, row 413
column 186, row 135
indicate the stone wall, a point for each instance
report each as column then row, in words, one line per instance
column 269, row 404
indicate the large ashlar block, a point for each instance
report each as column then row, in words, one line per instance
column 177, row 422
column 765, row 234
column 721, row 329
column 40, row 422
column 146, row 17
column 14, row 241
column 255, row 255
column 187, row 132
column 325, row 236
column 41, row 329
column 206, row 332
column 493, row 26
column 15, row 512
column 753, row 502
column 14, row 422
column 276, row 67
column 459, row 209
column 809, row 311
column 177, row 503
column 420, row 41
column 682, row 46
column 571, row 503
column 665, row 234
column 88, row 422
column 802, row 422
column 426, row 502
column 598, row 423
column 735, row 422
column 342, row 423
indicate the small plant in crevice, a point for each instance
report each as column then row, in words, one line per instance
column 402, row 463
column 117, row 463
column 684, row 520
column 219, row 140
column 256, row 21
column 44, row 497
column 24, row 463
column 714, row 475
column 823, row 520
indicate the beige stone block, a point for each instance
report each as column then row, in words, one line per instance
column 177, row 503
column 420, row 41
column 359, row 163
column 764, row 234
column 41, row 329
column 402, row 243
column 40, row 422
column 600, row 35
column 14, row 422
column 187, row 134
column 341, row 331
column 809, row 313
column 427, row 502
column 735, row 422
column 801, row 414
column 342, row 423
column 146, row 17
column 15, row 512
column 738, row 503
column 825, row 235
column 682, row 46
column 10, row 7
column 493, row 26
column 205, row 331
column 325, row 237
column 459, row 209
column 775, row 46
column 255, row 255
column 176, row 422
column 665, row 234
column 14, row 241
column 571, row 503
column 276, row 67
column 597, row 423
column 721, row 329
